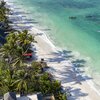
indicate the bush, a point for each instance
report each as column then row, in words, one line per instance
column 60, row 96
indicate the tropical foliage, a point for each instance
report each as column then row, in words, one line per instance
column 4, row 21
column 3, row 15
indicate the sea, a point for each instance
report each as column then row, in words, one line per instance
column 72, row 25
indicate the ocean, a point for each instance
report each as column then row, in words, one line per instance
column 72, row 25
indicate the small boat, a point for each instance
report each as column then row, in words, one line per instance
column 72, row 17
column 89, row 16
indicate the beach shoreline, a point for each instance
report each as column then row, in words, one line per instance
column 45, row 51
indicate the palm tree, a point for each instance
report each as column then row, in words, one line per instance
column 37, row 68
column 5, row 50
column 22, row 82
column 21, row 39
column 5, row 81
column 16, row 46
column 25, row 39
column 2, row 3
column 3, row 11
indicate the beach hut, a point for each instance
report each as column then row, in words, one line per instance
column 10, row 96
column 37, row 96
column 24, row 98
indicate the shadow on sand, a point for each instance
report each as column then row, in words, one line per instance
column 76, row 94
column 20, row 20
column 70, row 75
column 61, row 56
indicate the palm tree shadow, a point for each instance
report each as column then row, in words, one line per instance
column 75, row 93
column 79, row 63
column 21, row 22
column 60, row 56
column 75, row 71
column 69, row 76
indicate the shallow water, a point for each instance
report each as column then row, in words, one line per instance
column 80, row 34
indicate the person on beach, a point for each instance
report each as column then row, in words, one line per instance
column 43, row 64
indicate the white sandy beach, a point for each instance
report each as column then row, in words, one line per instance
column 61, row 67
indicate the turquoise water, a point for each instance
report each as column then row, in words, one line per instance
column 81, row 34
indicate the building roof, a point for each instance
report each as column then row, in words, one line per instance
column 37, row 96
column 27, row 54
column 10, row 96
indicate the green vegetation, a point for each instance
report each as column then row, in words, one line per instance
column 3, row 16
column 16, row 74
